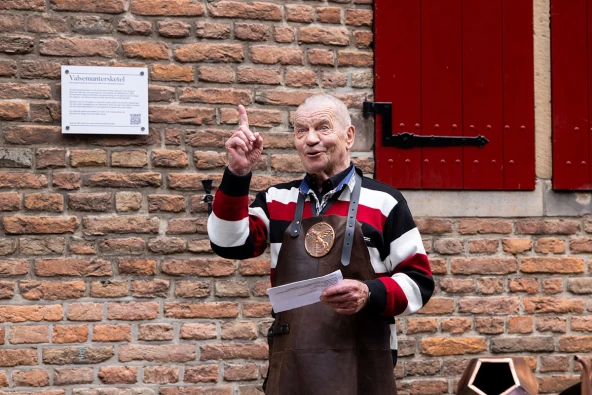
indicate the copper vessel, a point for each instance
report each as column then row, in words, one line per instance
column 585, row 387
column 498, row 376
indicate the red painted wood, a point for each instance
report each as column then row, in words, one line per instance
column 482, row 92
column 569, row 64
column 397, row 80
column 441, row 91
column 518, row 49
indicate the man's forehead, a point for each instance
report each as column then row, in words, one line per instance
column 312, row 112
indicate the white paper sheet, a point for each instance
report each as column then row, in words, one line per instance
column 302, row 293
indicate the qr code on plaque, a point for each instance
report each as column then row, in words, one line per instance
column 135, row 119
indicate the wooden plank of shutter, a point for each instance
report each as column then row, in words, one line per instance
column 569, row 64
column 397, row 80
column 441, row 91
column 518, row 50
column 482, row 92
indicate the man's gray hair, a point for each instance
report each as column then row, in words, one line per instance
column 340, row 107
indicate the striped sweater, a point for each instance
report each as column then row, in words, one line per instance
column 404, row 280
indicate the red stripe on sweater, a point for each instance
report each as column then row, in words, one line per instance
column 396, row 301
column 230, row 208
column 416, row 262
column 258, row 234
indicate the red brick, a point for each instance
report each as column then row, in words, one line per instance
column 448, row 246
column 52, row 202
column 17, row 357
column 256, row 310
column 135, row 158
column 300, row 78
column 106, row 6
column 200, row 310
column 50, row 158
column 456, row 325
column 108, row 289
column 489, row 325
column 356, row 17
column 457, row 285
column 112, row 333
column 173, row 29
column 284, row 34
column 363, row 39
column 234, row 351
column 253, row 10
column 72, row 267
column 73, row 376
column 216, row 96
column 484, row 226
column 132, row 311
column 167, row 245
column 553, row 227
column 522, row 344
column 483, row 265
column 489, row 286
column 433, row 225
column 552, row 265
column 239, row 330
column 7, row 68
column 554, row 363
column 167, row 7
column 182, row 115
column 551, row 324
column 329, row 14
column 98, row 226
column 120, row 180
column 237, row 372
column 161, row 374
column 282, row 97
column 335, row 80
column 299, row 13
column 69, row 334
column 201, row 374
column 550, row 245
column 29, row 334
column 552, row 305
column 324, row 35
column 321, row 57
column 255, row 267
column 159, row 353
column 10, row 201
column 42, row 245
column 452, row 346
column 516, row 246
column 12, row 23
column 575, row 344
column 355, row 59
column 30, row 378
column 201, row 267
column 251, row 32
column 223, row 75
column 67, row 181
column 438, row 306
column 155, row 332
column 421, row 325
column 231, row 289
column 118, row 374
column 198, row 331
column 146, row 50
column 72, row 46
column 85, row 312
column 77, row 355
column 22, row 180
column 166, row 203
column 211, row 53
column 192, row 289
column 171, row 72
column 483, row 246
column 133, row 27
column 528, row 285
column 491, row 305
column 46, row 290
column 127, row 246
column 14, row 44
column 556, row 384
column 520, row 325
column 267, row 54
column 128, row 201
column 552, row 286
column 31, row 5
column 150, row 288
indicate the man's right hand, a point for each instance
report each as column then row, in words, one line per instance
column 244, row 147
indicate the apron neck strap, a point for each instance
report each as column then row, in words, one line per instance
column 350, row 225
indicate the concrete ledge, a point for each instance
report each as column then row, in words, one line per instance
column 567, row 204
column 477, row 203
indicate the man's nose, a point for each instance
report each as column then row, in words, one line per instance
column 312, row 137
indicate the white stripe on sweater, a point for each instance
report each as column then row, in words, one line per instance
column 408, row 244
column 411, row 291
column 228, row 233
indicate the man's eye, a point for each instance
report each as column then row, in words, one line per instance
column 301, row 131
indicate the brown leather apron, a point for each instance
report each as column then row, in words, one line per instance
column 312, row 349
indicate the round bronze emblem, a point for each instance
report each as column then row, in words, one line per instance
column 319, row 239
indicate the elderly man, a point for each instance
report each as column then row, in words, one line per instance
column 332, row 219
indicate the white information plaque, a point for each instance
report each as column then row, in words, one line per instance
column 104, row 100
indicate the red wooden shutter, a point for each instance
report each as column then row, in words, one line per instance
column 570, row 65
column 454, row 68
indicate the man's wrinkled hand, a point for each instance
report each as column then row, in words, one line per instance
column 349, row 297
column 244, row 147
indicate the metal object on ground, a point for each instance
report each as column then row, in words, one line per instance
column 585, row 387
column 498, row 376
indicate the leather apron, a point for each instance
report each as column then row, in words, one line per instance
column 312, row 349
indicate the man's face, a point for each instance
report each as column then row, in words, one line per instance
column 322, row 141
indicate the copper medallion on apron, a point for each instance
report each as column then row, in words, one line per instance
column 312, row 349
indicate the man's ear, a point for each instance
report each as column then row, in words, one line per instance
column 350, row 136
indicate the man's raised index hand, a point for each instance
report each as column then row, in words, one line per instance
column 243, row 119
column 244, row 147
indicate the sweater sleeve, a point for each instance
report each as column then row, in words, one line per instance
column 237, row 231
column 410, row 284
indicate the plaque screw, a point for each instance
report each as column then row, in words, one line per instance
column 67, row 72
column 143, row 128
column 141, row 73
column 67, row 127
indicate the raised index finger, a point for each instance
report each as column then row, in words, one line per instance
column 243, row 120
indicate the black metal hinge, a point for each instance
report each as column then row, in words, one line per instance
column 410, row 140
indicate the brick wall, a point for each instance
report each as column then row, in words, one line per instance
column 108, row 280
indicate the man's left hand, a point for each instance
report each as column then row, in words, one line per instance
column 346, row 298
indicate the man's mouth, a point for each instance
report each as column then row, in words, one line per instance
column 314, row 154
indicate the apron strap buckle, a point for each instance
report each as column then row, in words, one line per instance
column 278, row 330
